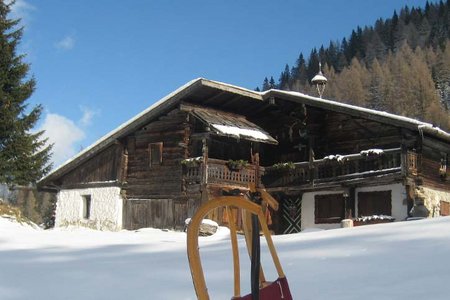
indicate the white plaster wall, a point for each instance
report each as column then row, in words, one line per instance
column 432, row 199
column 106, row 208
column 308, row 207
column 399, row 204
column 398, row 194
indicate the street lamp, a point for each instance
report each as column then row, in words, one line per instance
column 319, row 81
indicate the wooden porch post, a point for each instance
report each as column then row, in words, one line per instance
column 205, row 161
column 204, row 170
column 255, row 162
column 312, row 169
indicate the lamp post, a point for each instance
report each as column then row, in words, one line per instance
column 319, row 81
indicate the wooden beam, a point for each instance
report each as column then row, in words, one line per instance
column 371, row 132
column 231, row 102
column 214, row 98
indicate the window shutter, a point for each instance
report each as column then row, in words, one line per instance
column 329, row 208
column 445, row 208
column 374, row 203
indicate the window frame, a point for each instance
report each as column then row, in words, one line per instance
column 155, row 154
column 86, row 212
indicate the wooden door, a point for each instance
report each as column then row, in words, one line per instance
column 291, row 214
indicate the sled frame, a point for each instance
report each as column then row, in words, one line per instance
column 248, row 208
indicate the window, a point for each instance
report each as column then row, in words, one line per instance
column 374, row 203
column 86, row 206
column 329, row 208
column 155, row 154
column 445, row 208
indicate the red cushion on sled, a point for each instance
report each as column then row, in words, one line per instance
column 279, row 289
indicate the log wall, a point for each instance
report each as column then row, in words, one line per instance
column 343, row 134
column 105, row 166
column 146, row 180
column 157, row 213
column 429, row 173
column 153, row 191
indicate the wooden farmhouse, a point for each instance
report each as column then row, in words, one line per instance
column 323, row 161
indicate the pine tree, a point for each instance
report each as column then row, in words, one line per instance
column 442, row 76
column 300, row 71
column 351, row 84
column 24, row 156
column 313, row 64
column 331, row 89
column 272, row 84
column 375, row 49
column 265, row 85
column 376, row 96
column 285, row 78
column 333, row 54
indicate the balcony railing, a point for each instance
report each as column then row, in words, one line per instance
column 216, row 171
column 336, row 168
column 411, row 162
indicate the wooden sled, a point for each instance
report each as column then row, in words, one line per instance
column 253, row 216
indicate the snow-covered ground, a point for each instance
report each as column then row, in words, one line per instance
column 407, row 260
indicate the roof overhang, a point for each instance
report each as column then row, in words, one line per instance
column 231, row 125
column 356, row 111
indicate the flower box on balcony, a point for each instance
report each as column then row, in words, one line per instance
column 236, row 165
column 375, row 219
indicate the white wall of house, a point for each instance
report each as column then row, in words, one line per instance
column 399, row 204
column 398, row 196
column 308, row 207
column 105, row 213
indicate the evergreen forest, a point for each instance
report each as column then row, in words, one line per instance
column 399, row 65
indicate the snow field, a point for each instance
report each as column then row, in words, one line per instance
column 403, row 260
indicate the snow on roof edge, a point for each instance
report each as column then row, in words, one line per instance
column 236, row 87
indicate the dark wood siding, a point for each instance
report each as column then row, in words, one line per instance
column 326, row 133
column 157, row 213
column 105, row 166
column 429, row 173
column 344, row 134
column 149, row 176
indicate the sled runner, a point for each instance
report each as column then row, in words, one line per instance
column 254, row 220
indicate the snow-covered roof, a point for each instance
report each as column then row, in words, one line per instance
column 235, row 126
column 176, row 96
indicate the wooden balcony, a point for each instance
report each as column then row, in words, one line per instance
column 335, row 169
column 216, row 171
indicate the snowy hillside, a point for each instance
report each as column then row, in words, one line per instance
column 408, row 260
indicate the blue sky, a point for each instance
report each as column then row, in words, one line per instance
column 100, row 62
